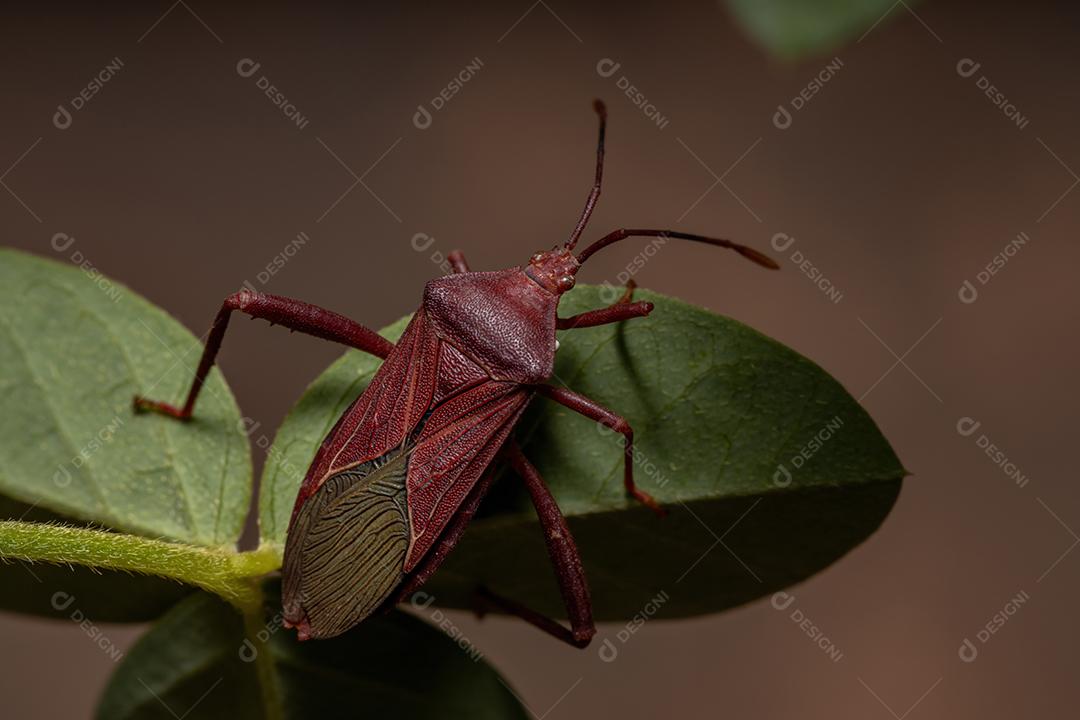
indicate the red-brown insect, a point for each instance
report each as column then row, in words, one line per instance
column 400, row 475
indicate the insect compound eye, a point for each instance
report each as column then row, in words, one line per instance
column 565, row 283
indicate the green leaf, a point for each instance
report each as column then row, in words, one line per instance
column 74, row 349
column 717, row 409
column 793, row 29
column 196, row 662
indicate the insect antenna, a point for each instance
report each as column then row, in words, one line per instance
column 611, row 238
column 594, row 194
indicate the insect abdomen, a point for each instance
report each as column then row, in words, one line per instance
column 346, row 548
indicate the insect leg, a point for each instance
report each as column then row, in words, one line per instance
column 293, row 314
column 595, row 411
column 458, row 262
column 560, row 546
column 621, row 309
column 564, row 555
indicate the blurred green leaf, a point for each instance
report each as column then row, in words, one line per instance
column 720, row 413
column 196, row 663
column 794, row 29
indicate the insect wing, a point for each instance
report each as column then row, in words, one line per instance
column 351, row 539
column 458, row 442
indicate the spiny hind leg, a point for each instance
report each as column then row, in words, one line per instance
column 293, row 314
column 560, row 546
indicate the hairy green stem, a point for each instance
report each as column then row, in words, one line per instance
column 234, row 576
column 229, row 574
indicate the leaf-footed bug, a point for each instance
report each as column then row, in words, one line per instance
column 394, row 484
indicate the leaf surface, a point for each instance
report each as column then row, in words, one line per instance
column 75, row 348
column 195, row 662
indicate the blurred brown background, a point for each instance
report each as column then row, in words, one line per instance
column 899, row 180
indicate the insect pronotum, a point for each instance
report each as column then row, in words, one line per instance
column 400, row 475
